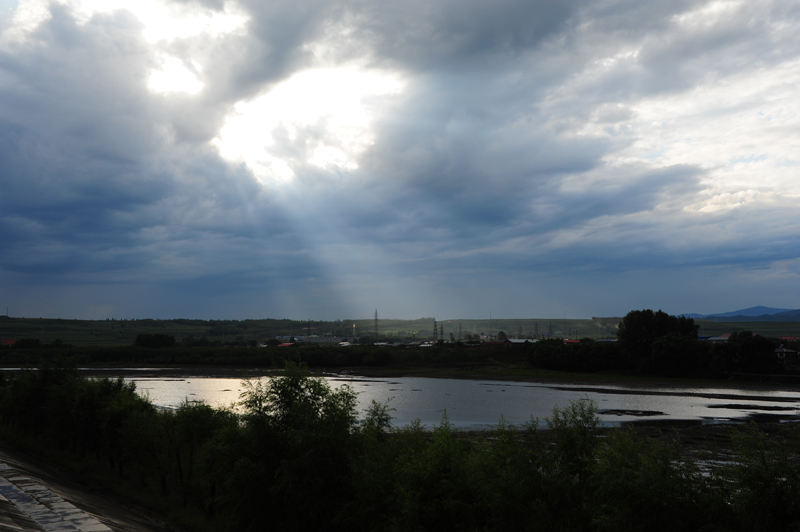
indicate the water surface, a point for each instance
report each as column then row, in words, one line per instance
column 477, row 404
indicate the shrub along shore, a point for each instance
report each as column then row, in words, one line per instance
column 296, row 457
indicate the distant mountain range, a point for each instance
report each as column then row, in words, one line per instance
column 751, row 314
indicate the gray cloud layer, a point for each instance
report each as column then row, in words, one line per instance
column 542, row 158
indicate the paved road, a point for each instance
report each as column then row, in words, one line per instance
column 36, row 498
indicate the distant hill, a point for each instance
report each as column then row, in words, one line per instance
column 759, row 313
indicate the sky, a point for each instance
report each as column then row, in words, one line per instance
column 321, row 159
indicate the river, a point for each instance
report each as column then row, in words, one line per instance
column 478, row 404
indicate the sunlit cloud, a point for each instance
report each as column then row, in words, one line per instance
column 162, row 21
column 737, row 127
column 168, row 21
column 162, row 24
column 25, row 17
column 322, row 117
column 175, row 76
column 706, row 16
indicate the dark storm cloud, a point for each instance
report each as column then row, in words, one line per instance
column 456, row 34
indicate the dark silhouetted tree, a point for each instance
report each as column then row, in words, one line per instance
column 154, row 340
column 639, row 329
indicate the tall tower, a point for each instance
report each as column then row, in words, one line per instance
column 435, row 331
column 376, row 325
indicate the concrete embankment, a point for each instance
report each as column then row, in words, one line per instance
column 36, row 498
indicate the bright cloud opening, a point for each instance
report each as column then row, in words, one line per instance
column 163, row 23
column 169, row 21
column 161, row 20
column 175, row 76
column 321, row 117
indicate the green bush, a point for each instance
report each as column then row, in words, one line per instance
column 296, row 457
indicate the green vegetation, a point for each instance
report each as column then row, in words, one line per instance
column 297, row 457
column 762, row 328
column 640, row 329
column 103, row 333
column 657, row 344
column 650, row 344
column 743, row 356
column 154, row 340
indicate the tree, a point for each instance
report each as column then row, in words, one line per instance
column 574, row 428
column 27, row 343
column 674, row 356
column 154, row 340
column 750, row 352
column 298, row 443
column 639, row 329
column 647, row 484
column 434, row 491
